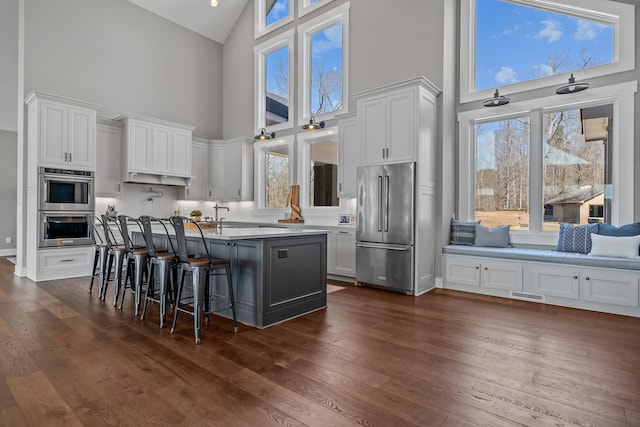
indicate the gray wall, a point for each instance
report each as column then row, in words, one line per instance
column 8, row 194
column 388, row 43
column 118, row 55
column 8, row 64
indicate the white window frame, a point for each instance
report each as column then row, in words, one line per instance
column 260, row 53
column 259, row 149
column 338, row 15
column 261, row 28
column 304, row 142
column 621, row 96
column 305, row 6
column 620, row 15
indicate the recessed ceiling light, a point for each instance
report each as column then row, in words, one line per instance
column 214, row 3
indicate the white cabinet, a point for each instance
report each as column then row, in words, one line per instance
column 344, row 252
column 198, row 186
column 470, row 273
column 348, row 155
column 231, row 170
column 64, row 131
column 60, row 263
column 387, row 125
column 156, row 151
column 108, row 181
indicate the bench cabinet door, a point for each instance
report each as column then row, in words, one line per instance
column 561, row 282
column 610, row 287
column 501, row 275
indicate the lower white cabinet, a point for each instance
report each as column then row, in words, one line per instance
column 482, row 273
column 60, row 263
column 108, row 180
column 341, row 253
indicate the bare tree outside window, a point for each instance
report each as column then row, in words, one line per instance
column 277, row 178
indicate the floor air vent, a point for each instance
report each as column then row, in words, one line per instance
column 527, row 297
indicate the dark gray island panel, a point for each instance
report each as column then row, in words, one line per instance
column 295, row 277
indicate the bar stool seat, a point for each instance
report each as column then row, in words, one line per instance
column 202, row 270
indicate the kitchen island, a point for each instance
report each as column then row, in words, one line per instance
column 278, row 273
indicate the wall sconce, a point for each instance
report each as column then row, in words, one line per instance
column 313, row 125
column 264, row 135
column 496, row 101
column 572, row 87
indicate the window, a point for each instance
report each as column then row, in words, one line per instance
column 306, row 6
column 273, row 172
column 323, row 68
column 573, row 165
column 534, row 164
column 272, row 14
column 274, row 60
column 527, row 44
column 318, row 168
column 502, row 173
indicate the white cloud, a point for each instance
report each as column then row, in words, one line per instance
column 542, row 70
column 551, row 31
column 506, row 75
column 279, row 10
column 588, row 30
column 333, row 41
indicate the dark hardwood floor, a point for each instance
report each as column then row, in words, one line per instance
column 371, row 358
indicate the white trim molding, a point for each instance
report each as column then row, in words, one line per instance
column 261, row 27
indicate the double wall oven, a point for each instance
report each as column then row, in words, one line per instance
column 65, row 207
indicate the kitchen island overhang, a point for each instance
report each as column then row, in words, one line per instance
column 278, row 273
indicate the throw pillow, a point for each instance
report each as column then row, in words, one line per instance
column 576, row 239
column 632, row 229
column 615, row 246
column 463, row 233
column 497, row 237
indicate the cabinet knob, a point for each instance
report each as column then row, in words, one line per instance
column 477, row 267
column 575, row 277
column 486, row 268
column 587, row 278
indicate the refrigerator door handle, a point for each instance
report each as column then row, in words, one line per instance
column 380, row 193
column 390, row 248
column 386, row 203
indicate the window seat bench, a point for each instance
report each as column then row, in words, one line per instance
column 606, row 284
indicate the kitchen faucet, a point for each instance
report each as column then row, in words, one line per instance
column 216, row 207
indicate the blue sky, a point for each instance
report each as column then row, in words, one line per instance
column 514, row 43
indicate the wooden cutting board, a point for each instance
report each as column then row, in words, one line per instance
column 203, row 225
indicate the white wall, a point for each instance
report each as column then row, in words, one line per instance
column 123, row 57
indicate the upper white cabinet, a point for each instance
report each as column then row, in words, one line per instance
column 156, row 151
column 389, row 121
column 231, row 170
column 221, row 170
column 348, row 155
column 62, row 131
column 108, row 182
column 198, row 187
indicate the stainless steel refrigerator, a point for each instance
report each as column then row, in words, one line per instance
column 385, row 226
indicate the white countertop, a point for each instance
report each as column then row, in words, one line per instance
column 239, row 233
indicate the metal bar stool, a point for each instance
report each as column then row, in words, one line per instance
column 136, row 262
column 164, row 262
column 202, row 270
column 102, row 252
column 117, row 254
